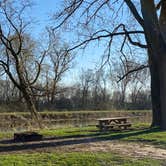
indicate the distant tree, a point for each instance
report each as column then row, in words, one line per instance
column 60, row 61
column 100, row 96
column 138, row 85
column 141, row 101
column 86, row 81
column 121, row 84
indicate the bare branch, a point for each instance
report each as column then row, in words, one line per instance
column 135, row 12
column 131, row 41
column 94, row 37
column 75, row 5
column 132, row 71
column 16, row 30
column 7, row 71
column 39, row 68
column 159, row 4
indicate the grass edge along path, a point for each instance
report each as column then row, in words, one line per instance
column 75, row 159
column 139, row 133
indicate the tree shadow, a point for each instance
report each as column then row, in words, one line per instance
column 50, row 142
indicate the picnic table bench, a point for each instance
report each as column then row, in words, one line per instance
column 109, row 123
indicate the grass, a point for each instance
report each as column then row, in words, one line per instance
column 74, row 159
column 139, row 133
column 152, row 136
column 71, row 131
column 4, row 135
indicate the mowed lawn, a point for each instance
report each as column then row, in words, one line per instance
column 74, row 159
column 138, row 133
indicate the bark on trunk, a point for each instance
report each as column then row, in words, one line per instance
column 155, row 93
column 162, row 74
column 153, row 28
column 158, row 86
column 31, row 106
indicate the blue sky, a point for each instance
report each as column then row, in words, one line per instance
column 42, row 12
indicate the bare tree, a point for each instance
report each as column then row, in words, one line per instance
column 18, row 58
column 127, row 81
column 61, row 61
column 86, row 79
column 150, row 18
column 100, row 96
column 140, row 82
column 124, row 66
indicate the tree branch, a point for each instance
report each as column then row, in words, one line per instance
column 135, row 12
column 132, row 71
column 76, row 4
column 92, row 38
column 39, row 68
column 7, row 71
column 131, row 41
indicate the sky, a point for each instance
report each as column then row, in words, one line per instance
column 87, row 59
column 41, row 12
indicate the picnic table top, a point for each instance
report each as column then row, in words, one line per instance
column 113, row 118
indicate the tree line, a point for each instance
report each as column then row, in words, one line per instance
column 89, row 92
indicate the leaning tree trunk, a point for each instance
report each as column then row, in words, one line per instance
column 31, row 105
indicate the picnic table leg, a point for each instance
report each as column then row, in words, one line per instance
column 119, row 122
column 125, row 121
column 122, row 122
column 101, row 126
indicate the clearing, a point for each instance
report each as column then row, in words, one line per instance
column 139, row 146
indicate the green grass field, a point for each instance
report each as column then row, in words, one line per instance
column 74, row 159
column 139, row 133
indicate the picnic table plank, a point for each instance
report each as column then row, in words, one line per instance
column 114, row 118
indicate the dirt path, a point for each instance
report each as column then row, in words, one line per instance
column 83, row 145
column 128, row 149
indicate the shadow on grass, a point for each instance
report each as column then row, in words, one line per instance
column 53, row 142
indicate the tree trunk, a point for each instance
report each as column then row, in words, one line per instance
column 162, row 65
column 158, row 74
column 53, row 92
column 162, row 74
column 31, row 106
column 155, row 93
column 154, row 31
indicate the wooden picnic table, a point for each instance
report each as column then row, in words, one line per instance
column 107, row 123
